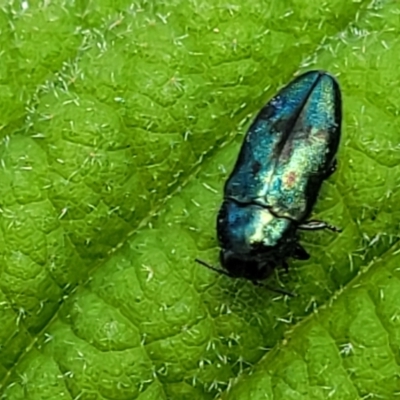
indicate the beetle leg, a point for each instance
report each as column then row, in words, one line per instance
column 315, row 225
column 274, row 289
column 280, row 291
column 300, row 253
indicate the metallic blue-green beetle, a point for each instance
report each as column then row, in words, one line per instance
column 289, row 150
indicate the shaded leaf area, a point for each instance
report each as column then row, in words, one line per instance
column 119, row 129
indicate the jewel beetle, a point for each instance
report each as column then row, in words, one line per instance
column 287, row 153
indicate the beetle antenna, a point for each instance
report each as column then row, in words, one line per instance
column 274, row 289
column 219, row 270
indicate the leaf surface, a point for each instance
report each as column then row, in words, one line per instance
column 120, row 126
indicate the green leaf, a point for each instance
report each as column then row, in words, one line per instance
column 349, row 349
column 120, row 125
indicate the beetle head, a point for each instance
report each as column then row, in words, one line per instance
column 251, row 267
